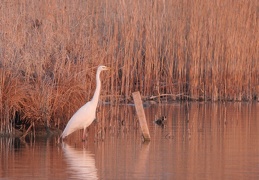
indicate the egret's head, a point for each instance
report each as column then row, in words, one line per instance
column 103, row 68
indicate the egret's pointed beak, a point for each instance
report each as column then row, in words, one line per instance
column 108, row 68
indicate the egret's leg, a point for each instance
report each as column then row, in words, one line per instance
column 85, row 134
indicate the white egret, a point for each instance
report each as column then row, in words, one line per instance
column 87, row 113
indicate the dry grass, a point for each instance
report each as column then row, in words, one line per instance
column 49, row 50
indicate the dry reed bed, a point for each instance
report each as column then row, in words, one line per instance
column 190, row 50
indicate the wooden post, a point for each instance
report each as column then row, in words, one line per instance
column 141, row 115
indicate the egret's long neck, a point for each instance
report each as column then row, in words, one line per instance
column 98, row 88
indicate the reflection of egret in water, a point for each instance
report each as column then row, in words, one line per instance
column 80, row 163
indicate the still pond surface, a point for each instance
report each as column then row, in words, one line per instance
column 198, row 141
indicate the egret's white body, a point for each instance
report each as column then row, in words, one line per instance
column 87, row 113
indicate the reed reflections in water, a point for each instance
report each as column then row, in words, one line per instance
column 30, row 159
column 198, row 141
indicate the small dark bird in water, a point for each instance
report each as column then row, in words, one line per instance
column 160, row 121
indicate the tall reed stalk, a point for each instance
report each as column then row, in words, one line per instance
column 190, row 50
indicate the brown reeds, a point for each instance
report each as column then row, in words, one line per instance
column 184, row 50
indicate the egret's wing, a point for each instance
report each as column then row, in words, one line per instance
column 82, row 118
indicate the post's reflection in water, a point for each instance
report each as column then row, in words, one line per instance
column 142, row 160
column 81, row 163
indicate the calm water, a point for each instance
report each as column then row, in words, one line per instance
column 199, row 141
